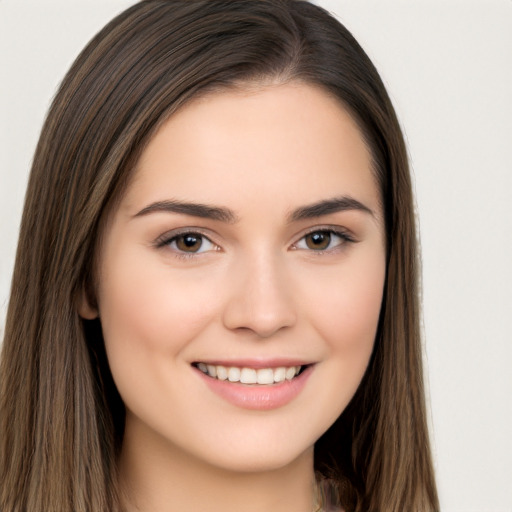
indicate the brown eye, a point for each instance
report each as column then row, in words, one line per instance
column 319, row 240
column 189, row 242
column 323, row 240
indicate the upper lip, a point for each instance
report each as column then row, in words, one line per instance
column 256, row 363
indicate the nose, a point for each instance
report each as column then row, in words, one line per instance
column 260, row 297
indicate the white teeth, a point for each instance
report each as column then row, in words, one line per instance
column 265, row 376
column 280, row 374
column 245, row 375
column 234, row 374
column 291, row 372
column 248, row 376
column 222, row 373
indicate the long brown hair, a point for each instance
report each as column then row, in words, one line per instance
column 61, row 422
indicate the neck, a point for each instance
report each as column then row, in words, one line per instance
column 158, row 477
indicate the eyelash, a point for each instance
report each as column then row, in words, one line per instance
column 166, row 241
column 343, row 235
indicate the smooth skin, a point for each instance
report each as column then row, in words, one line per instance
column 263, row 277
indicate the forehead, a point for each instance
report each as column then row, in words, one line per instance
column 292, row 142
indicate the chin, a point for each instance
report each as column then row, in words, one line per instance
column 263, row 461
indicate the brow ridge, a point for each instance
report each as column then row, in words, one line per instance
column 192, row 209
column 314, row 210
column 328, row 206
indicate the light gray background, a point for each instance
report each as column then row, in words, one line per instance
column 447, row 65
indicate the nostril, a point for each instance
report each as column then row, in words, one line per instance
column 259, row 298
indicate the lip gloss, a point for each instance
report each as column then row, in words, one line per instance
column 259, row 397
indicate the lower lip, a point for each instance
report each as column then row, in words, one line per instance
column 258, row 397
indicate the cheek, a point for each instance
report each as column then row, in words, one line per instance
column 148, row 311
column 350, row 319
column 345, row 314
column 346, row 303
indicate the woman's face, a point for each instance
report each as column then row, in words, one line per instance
column 249, row 245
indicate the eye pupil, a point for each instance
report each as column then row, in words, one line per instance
column 319, row 240
column 189, row 243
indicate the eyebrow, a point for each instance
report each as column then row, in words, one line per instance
column 328, row 206
column 222, row 214
column 193, row 209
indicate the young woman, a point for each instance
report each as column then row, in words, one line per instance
column 214, row 305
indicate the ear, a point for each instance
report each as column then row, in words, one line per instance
column 86, row 307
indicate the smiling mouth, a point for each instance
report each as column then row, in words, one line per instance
column 244, row 375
